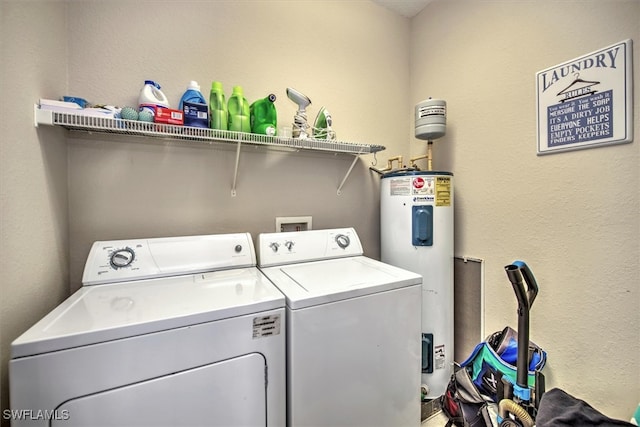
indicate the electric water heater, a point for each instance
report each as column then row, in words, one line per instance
column 417, row 234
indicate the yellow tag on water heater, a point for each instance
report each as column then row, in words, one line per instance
column 443, row 191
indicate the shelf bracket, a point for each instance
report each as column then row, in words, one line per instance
column 44, row 117
column 355, row 159
column 235, row 172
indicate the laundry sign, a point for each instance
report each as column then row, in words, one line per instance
column 587, row 101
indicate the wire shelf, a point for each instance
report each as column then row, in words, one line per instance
column 158, row 130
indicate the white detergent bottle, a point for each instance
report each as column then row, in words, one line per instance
column 151, row 97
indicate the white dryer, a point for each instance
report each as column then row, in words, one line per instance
column 181, row 331
column 353, row 331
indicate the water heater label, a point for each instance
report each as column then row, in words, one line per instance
column 266, row 326
column 443, row 191
column 400, row 187
column 439, row 357
column 423, row 186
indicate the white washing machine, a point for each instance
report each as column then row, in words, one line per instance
column 353, row 331
column 181, row 331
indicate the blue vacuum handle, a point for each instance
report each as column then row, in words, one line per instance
column 515, row 277
column 515, row 273
column 532, row 285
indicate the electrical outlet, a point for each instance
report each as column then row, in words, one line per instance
column 293, row 223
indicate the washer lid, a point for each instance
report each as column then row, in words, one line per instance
column 107, row 312
column 321, row 282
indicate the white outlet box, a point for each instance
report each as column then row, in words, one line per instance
column 293, row 223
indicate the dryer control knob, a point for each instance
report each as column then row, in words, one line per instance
column 342, row 240
column 289, row 244
column 122, row 258
column 274, row 246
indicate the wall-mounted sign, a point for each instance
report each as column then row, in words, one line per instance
column 587, row 101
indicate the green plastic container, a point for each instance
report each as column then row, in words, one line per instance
column 264, row 117
column 217, row 107
column 238, row 108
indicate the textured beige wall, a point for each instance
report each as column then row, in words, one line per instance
column 573, row 217
column 348, row 56
column 34, row 241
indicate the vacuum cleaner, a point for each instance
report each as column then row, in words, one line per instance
column 518, row 403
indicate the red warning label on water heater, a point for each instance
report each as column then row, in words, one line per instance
column 423, row 186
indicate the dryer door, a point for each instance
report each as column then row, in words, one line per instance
column 219, row 394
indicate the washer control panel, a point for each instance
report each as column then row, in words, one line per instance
column 303, row 246
column 126, row 260
column 122, row 257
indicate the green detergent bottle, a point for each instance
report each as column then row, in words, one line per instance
column 264, row 117
column 238, row 108
column 217, row 107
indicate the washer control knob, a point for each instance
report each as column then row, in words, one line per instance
column 238, row 248
column 289, row 244
column 274, row 246
column 122, row 258
column 342, row 240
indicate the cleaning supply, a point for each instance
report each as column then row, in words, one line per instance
column 263, row 116
column 238, row 109
column 322, row 125
column 169, row 116
column 128, row 113
column 300, row 124
column 145, row 116
column 194, row 106
column 217, row 107
column 151, row 97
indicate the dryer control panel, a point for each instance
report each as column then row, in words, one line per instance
column 125, row 260
column 303, row 246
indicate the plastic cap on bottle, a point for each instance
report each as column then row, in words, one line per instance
column 193, row 85
column 216, row 86
column 237, row 90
